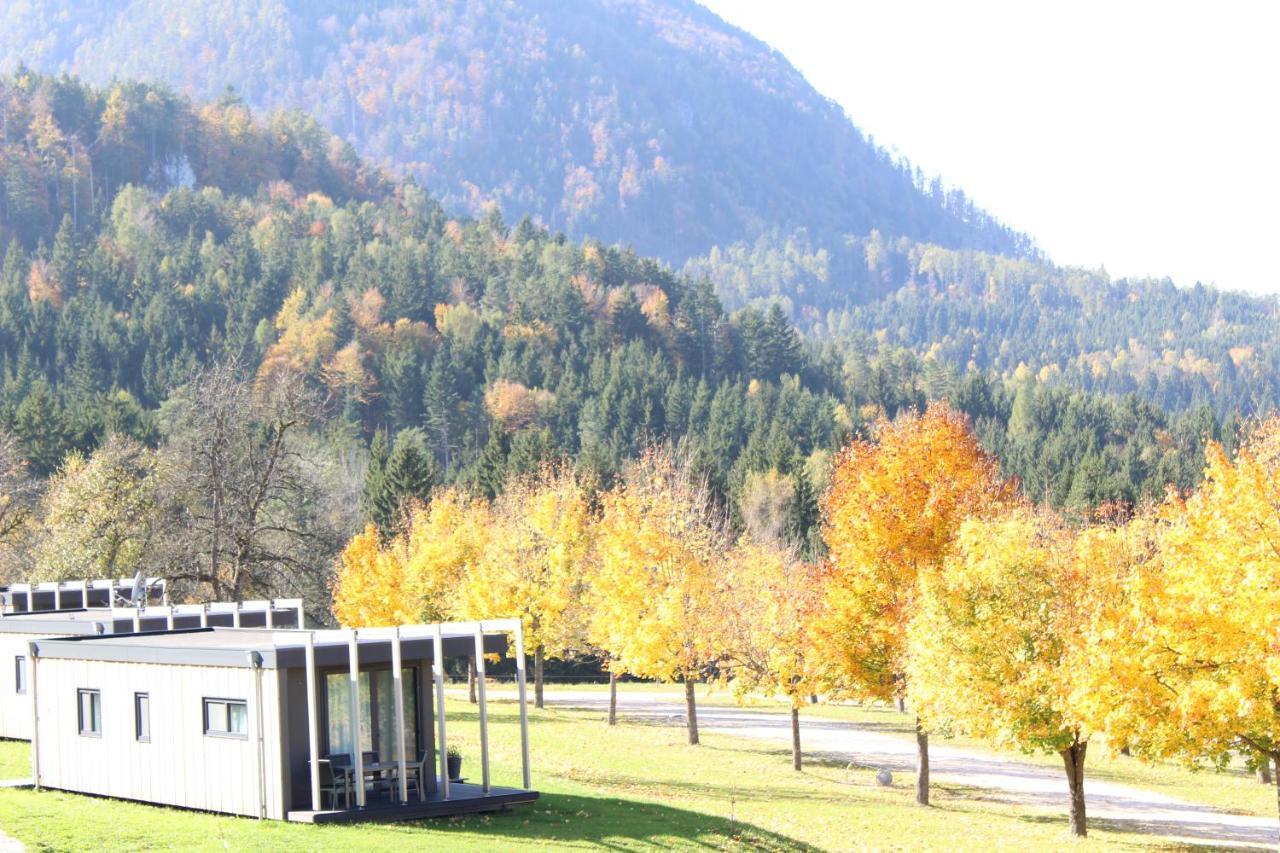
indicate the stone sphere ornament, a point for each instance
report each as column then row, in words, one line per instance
column 884, row 778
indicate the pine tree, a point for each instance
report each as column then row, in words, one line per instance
column 442, row 399
column 410, row 475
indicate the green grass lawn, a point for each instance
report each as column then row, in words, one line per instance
column 632, row 787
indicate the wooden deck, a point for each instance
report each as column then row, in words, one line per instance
column 463, row 799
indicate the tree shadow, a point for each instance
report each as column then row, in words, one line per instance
column 613, row 823
column 1220, row 837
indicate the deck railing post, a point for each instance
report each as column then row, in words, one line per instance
column 57, row 595
column 524, row 710
column 235, row 616
column 437, row 674
column 398, row 686
column 84, row 593
column 271, row 613
column 484, row 714
column 357, row 755
column 204, row 615
column 137, row 620
column 300, row 624
column 170, row 621
column 313, row 726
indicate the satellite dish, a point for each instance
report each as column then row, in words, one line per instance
column 138, row 595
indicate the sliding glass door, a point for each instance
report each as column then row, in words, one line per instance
column 377, row 713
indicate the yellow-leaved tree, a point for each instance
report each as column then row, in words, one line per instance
column 652, row 600
column 1197, row 640
column 534, row 564
column 417, row 575
column 763, row 633
column 891, row 516
column 991, row 641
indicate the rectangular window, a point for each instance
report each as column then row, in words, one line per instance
column 90, row 702
column 226, row 717
column 142, row 716
column 20, row 673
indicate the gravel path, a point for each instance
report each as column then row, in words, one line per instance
column 1007, row 778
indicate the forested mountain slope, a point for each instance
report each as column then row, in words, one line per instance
column 452, row 350
column 1177, row 347
column 647, row 122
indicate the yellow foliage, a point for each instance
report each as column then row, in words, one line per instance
column 534, row 563
column 990, row 639
column 653, row 598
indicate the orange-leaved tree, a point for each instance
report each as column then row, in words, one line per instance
column 991, row 641
column 891, row 515
column 652, row 600
column 534, row 564
column 763, row 633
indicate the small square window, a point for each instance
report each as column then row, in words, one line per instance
column 226, row 717
column 142, row 716
column 20, row 673
column 90, row 712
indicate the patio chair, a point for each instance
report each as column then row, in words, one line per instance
column 415, row 775
column 333, row 783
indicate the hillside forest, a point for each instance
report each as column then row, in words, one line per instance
column 178, row 274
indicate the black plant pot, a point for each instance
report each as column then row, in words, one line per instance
column 455, row 767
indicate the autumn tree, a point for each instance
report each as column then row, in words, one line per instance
column 416, row 575
column 892, row 512
column 534, row 564
column 1196, row 671
column 763, row 632
column 98, row 514
column 653, row 596
column 990, row 642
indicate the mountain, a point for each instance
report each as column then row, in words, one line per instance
column 145, row 238
column 651, row 123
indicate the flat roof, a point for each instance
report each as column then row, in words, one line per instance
column 273, row 648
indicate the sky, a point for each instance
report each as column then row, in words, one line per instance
column 1143, row 137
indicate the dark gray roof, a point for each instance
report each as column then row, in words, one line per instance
column 240, row 647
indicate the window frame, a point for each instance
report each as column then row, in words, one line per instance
column 94, row 695
column 20, row 674
column 142, row 698
column 209, row 731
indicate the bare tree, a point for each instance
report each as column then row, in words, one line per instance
column 235, row 484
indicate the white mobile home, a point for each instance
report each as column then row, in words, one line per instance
column 265, row 723
column 18, row 629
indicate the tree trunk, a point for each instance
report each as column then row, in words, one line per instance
column 539, row 656
column 795, row 737
column 900, row 703
column 613, row 698
column 1264, row 770
column 1275, row 759
column 691, row 709
column 1073, row 758
column 922, row 765
column 471, row 681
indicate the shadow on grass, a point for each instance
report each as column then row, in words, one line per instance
column 1222, row 838
column 614, row 823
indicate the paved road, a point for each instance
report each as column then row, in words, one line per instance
column 1007, row 778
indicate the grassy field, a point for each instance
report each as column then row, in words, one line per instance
column 1234, row 789
column 633, row 787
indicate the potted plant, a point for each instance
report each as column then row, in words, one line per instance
column 454, row 757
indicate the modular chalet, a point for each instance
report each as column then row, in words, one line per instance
column 18, row 629
column 312, row 726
